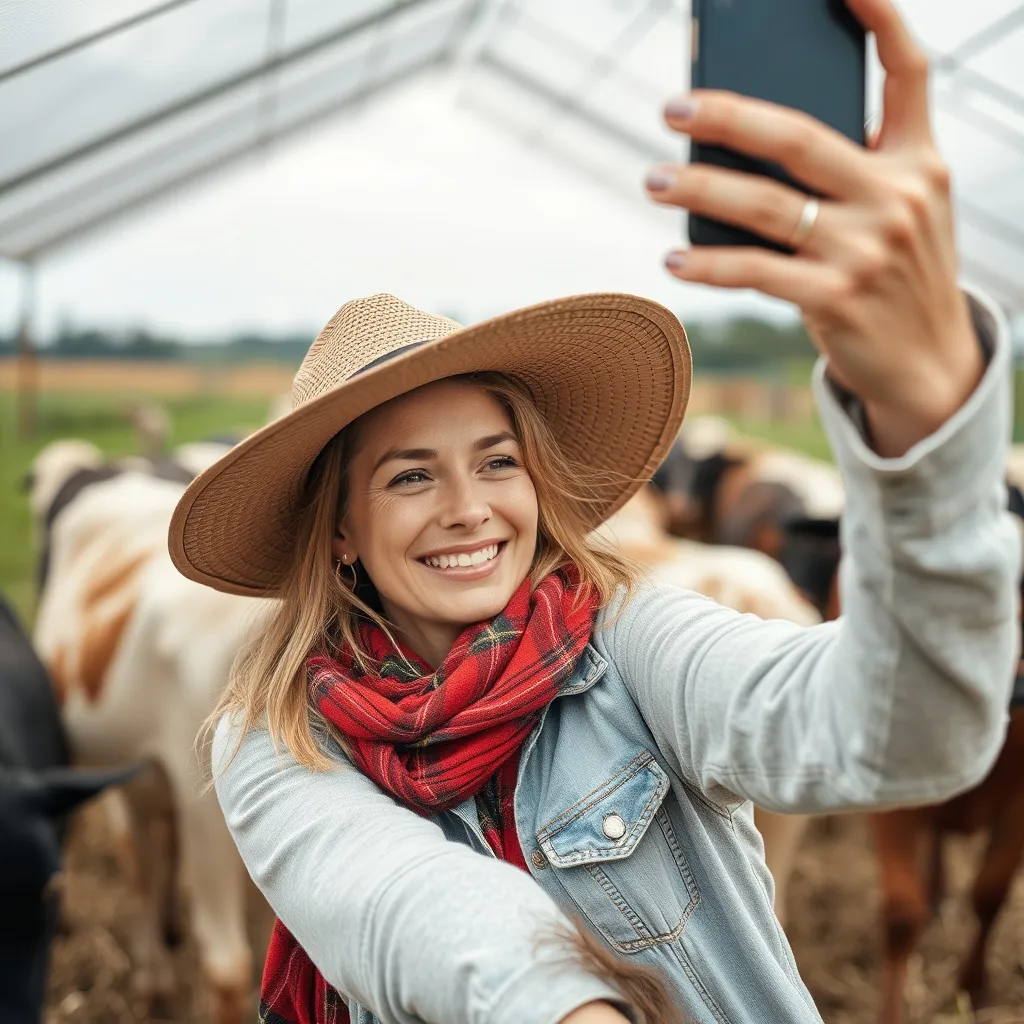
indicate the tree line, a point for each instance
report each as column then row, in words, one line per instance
column 731, row 345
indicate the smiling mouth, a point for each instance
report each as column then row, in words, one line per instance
column 465, row 559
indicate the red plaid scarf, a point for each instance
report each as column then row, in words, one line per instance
column 434, row 739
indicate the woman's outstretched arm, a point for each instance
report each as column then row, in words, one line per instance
column 408, row 924
column 904, row 699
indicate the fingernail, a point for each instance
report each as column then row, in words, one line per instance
column 675, row 260
column 682, row 108
column 659, row 180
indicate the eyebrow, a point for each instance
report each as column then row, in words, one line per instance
column 425, row 454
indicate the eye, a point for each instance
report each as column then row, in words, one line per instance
column 410, row 476
column 501, row 462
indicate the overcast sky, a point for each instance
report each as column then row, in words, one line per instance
column 417, row 194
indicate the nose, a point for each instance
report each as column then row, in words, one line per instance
column 464, row 504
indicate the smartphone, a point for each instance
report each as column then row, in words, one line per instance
column 810, row 55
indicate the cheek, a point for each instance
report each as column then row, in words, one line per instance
column 391, row 526
column 521, row 510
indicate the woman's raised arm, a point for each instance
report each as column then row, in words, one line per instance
column 904, row 699
column 406, row 923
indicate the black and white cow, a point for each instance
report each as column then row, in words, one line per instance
column 37, row 792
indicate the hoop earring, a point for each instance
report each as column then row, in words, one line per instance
column 344, row 580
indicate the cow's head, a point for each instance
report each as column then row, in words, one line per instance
column 60, row 472
column 51, row 469
column 809, row 552
column 33, row 806
column 689, row 486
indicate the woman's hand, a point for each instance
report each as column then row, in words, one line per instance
column 876, row 277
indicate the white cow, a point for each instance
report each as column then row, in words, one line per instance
column 738, row 578
column 138, row 656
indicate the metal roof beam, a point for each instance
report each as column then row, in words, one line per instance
column 947, row 64
column 989, row 35
column 990, row 223
column 218, row 89
column 570, row 104
column 93, row 37
column 40, row 247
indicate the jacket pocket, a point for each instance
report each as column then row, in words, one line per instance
column 620, row 861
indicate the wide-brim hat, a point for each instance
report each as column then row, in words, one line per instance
column 610, row 373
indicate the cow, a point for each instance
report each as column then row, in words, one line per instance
column 909, row 846
column 689, row 475
column 738, row 578
column 37, row 792
column 138, row 656
column 722, row 489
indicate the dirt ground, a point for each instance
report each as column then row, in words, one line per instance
column 833, row 910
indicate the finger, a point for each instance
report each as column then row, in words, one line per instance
column 812, row 152
column 872, row 131
column 906, row 71
column 761, row 205
column 810, row 284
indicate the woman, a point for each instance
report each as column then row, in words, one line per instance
column 504, row 687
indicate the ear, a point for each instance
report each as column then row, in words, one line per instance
column 60, row 790
column 339, row 548
column 27, row 482
column 767, row 538
column 341, row 543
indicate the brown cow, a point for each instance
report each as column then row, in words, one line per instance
column 721, row 489
column 909, row 844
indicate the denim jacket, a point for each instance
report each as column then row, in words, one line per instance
column 633, row 803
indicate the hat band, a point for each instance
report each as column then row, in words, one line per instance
column 389, row 355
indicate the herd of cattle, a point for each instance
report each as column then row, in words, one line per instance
column 128, row 658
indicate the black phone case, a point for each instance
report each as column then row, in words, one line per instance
column 810, row 55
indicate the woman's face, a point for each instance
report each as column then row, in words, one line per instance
column 441, row 511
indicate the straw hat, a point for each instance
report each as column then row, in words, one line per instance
column 610, row 373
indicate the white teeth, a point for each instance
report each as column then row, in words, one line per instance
column 463, row 558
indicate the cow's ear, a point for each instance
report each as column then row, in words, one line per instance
column 1016, row 500
column 27, row 482
column 61, row 790
column 822, row 529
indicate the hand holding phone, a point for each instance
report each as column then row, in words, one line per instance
column 874, row 270
column 808, row 55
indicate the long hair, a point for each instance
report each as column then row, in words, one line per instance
column 319, row 607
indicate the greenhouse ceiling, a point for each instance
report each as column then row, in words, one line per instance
column 104, row 107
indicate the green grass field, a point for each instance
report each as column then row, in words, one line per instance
column 104, row 421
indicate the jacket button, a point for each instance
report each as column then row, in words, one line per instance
column 614, row 827
column 538, row 859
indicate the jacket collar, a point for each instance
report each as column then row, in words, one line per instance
column 589, row 669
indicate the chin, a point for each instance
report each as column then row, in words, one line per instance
column 475, row 608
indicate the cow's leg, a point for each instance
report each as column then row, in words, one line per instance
column 152, row 864
column 999, row 864
column 218, row 885
column 900, row 838
column 936, row 873
column 782, row 834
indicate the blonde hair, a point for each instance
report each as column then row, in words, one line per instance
column 319, row 608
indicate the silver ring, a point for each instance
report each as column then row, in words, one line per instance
column 808, row 218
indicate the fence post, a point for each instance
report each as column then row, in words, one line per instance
column 27, row 371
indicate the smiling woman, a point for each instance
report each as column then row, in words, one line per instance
column 516, row 775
